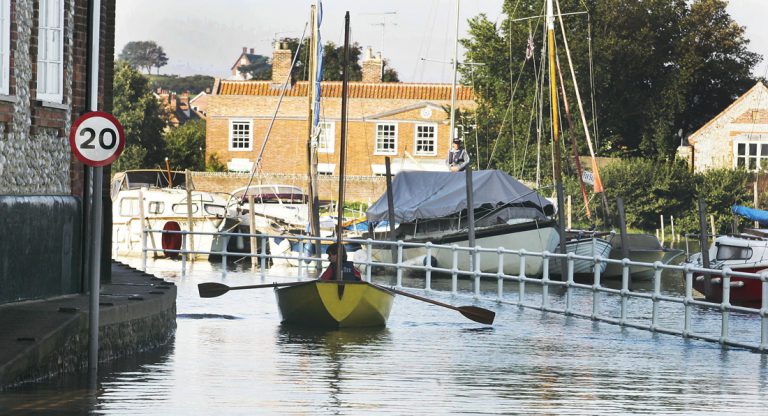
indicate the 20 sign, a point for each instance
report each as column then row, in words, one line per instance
column 97, row 138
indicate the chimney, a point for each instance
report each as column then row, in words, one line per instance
column 281, row 63
column 251, row 51
column 372, row 67
column 245, row 49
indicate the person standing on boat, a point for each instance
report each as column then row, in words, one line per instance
column 349, row 273
column 458, row 158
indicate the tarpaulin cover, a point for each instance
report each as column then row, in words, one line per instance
column 419, row 195
column 749, row 213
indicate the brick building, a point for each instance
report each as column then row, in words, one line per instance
column 408, row 122
column 43, row 90
column 245, row 58
column 737, row 137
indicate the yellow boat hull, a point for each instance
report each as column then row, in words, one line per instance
column 330, row 304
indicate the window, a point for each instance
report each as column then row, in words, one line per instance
column 326, row 137
column 240, row 135
column 182, row 208
column 751, row 155
column 129, row 207
column 156, row 207
column 5, row 46
column 733, row 253
column 425, row 139
column 386, row 139
column 50, row 51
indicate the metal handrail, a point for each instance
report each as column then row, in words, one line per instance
column 523, row 298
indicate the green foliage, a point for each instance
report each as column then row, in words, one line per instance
column 259, row 69
column 142, row 116
column 185, row 146
column 651, row 188
column 132, row 158
column 660, row 68
column 193, row 84
column 214, row 164
column 144, row 54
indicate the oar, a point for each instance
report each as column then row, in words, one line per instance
column 484, row 316
column 212, row 289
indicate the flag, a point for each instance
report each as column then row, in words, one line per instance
column 529, row 47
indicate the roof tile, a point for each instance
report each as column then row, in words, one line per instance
column 435, row 92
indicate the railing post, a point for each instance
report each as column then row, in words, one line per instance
column 687, row 302
column 521, row 284
column 428, row 264
column 596, row 285
column 369, row 259
column 183, row 254
column 545, row 281
column 725, row 307
column 764, row 313
column 455, row 270
column 399, row 263
column 224, row 257
column 263, row 257
column 476, row 266
column 500, row 274
column 656, row 294
column 624, row 289
column 569, row 285
column 143, row 232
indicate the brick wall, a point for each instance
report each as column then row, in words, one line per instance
column 281, row 64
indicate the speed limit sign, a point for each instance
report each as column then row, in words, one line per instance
column 97, row 138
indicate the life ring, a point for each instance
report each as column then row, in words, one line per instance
column 171, row 241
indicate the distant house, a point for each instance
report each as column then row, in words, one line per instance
column 737, row 137
column 178, row 106
column 408, row 122
column 246, row 58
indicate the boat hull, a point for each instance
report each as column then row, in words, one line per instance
column 330, row 304
column 527, row 236
column 590, row 247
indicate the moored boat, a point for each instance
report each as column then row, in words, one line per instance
column 644, row 248
column 333, row 304
column 585, row 243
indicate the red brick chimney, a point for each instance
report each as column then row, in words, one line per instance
column 251, row 51
column 281, row 63
column 372, row 67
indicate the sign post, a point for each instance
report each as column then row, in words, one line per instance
column 96, row 139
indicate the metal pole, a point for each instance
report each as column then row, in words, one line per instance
column 391, row 208
column 471, row 219
column 98, row 173
column 455, row 71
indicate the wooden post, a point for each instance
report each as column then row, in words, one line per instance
column 712, row 225
column 672, row 227
column 570, row 212
column 391, row 209
column 561, row 226
column 624, row 236
column 757, row 224
column 470, row 218
column 662, row 230
column 703, row 242
column 252, row 230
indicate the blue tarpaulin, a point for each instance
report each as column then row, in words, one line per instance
column 753, row 214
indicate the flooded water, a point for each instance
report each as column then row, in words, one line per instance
column 231, row 356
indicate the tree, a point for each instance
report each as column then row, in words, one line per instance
column 659, row 66
column 390, row 74
column 144, row 55
column 185, row 145
column 142, row 116
column 193, row 84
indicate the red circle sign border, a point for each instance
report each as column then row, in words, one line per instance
column 120, row 134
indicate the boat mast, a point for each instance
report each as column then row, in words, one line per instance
column 452, row 135
column 343, row 148
column 313, row 92
column 555, row 131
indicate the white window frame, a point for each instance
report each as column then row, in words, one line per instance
column 5, row 47
column 758, row 157
column 231, row 138
column 379, row 139
column 327, row 136
column 50, row 51
column 416, row 139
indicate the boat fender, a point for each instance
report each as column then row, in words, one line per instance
column 171, row 241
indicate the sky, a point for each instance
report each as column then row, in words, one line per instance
column 417, row 36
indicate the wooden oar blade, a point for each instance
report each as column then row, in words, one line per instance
column 212, row 289
column 483, row 316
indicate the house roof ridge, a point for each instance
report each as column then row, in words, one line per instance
column 693, row 137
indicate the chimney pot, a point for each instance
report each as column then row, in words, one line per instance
column 251, row 51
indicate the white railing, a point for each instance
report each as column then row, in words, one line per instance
column 620, row 306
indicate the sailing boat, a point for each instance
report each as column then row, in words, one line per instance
column 336, row 303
